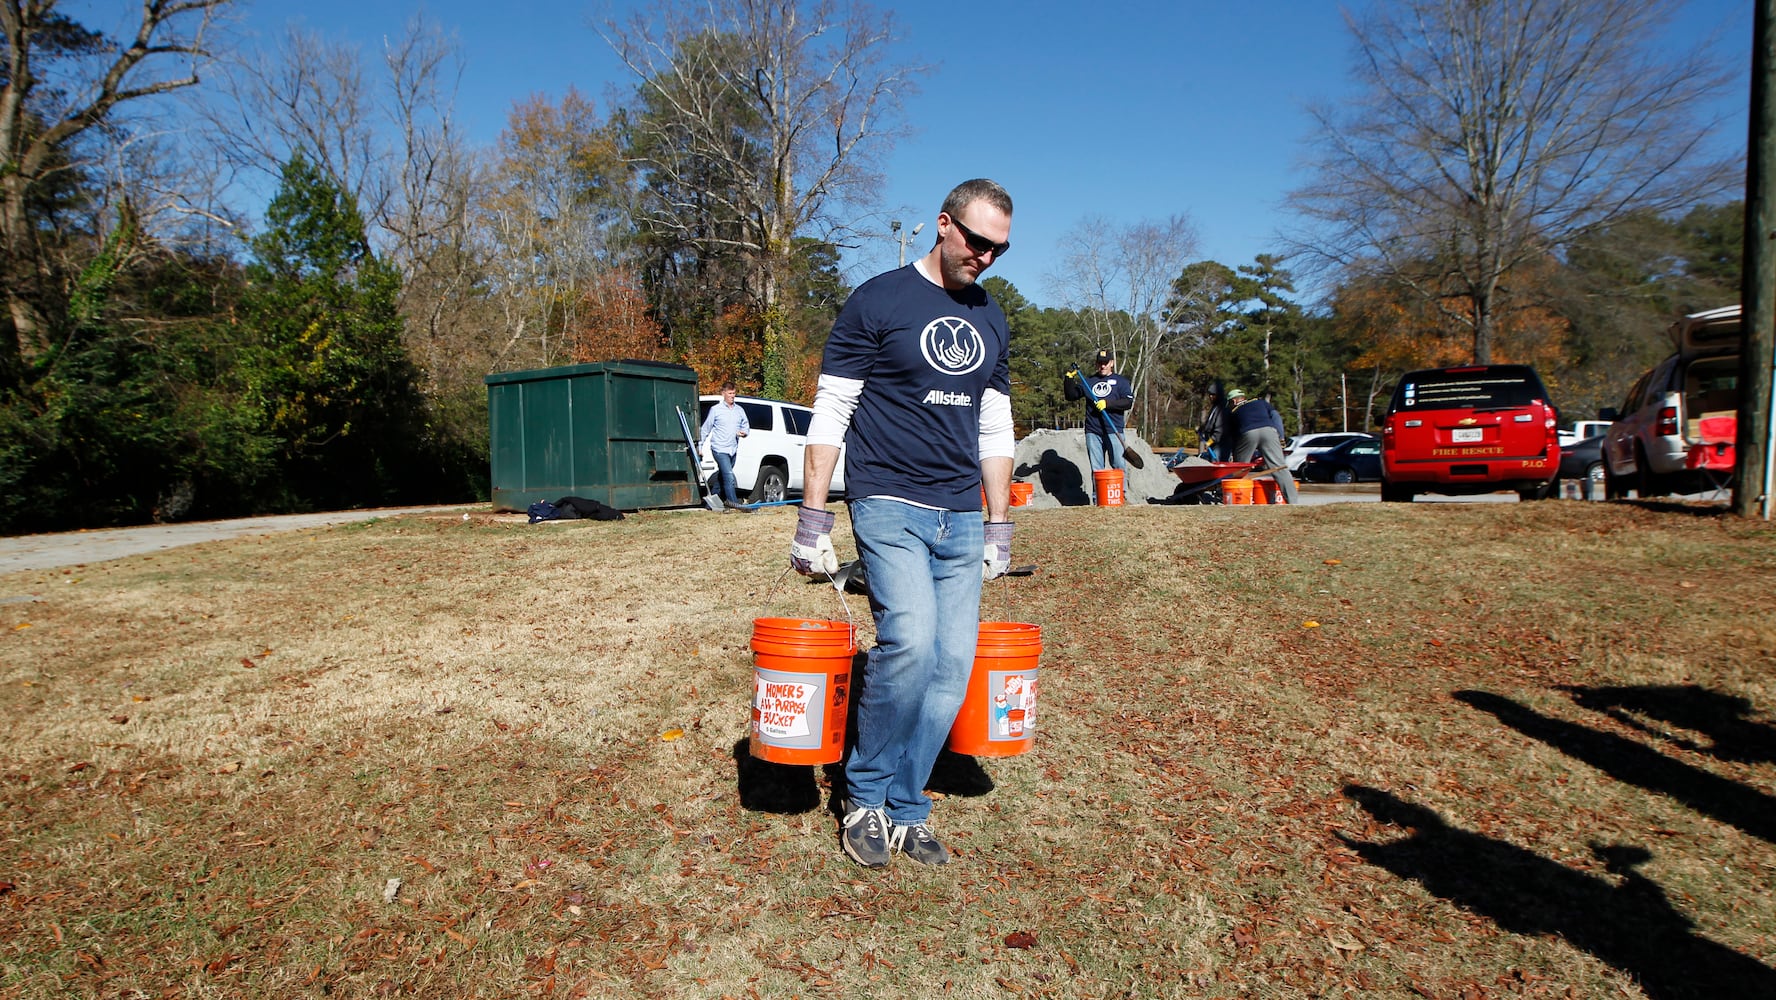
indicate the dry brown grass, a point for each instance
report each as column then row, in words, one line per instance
column 1522, row 750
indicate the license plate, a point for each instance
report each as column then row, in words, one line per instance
column 1467, row 435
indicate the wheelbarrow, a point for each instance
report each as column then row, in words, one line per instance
column 1201, row 477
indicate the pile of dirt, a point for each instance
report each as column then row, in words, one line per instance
column 1055, row 464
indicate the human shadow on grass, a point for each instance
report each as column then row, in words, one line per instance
column 1724, row 719
column 1626, row 760
column 1060, row 479
column 1627, row 922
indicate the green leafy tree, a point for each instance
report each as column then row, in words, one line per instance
column 61, row 85
column 329, row 370
column 1622, row 288
column 142, row 416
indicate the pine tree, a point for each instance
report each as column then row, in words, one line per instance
column 329, row 370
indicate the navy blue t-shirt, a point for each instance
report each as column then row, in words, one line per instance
column 924, row 354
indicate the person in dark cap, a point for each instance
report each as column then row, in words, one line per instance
column 1111, row 397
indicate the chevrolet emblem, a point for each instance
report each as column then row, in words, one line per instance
column 1467, row 420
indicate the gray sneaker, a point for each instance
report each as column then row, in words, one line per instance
column 865, row 836
column 918, row 844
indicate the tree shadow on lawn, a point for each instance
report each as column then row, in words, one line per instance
column 1626, row 760
column 1628, row 923
column 1725, row 719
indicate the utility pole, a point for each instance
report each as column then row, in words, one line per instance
column 1755, row 450
column 903, row 238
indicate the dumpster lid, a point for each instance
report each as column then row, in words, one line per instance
column 659, row 369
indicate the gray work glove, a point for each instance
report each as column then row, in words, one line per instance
column 996, row 558
column 812, row 553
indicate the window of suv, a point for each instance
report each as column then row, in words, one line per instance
column 798, row 419
column 1494, row 387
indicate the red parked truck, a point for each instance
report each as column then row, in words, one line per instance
column 1468, row 430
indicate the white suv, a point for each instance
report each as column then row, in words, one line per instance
column 768, row 465
column 1312, row 444
column 1646, row 446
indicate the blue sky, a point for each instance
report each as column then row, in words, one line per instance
column 1124, row 110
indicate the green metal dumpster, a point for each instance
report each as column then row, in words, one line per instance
column 607, row 431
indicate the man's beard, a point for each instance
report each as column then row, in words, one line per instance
column 956, row 272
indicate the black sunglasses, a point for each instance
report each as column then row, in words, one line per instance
column 978, row 243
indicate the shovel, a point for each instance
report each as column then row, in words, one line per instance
column 710, row 500
column 1128, row 454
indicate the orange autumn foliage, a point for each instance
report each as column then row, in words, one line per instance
column 613, row 321
column 729, row 351
column 1403, row 330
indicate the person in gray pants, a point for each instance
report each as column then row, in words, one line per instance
column 1258, row 427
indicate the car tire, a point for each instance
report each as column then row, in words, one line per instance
column 772, row 485
column 1648, row 483
column 1392, row 493
column 1344, row 476
column 1551, row 488
column 1613, row 486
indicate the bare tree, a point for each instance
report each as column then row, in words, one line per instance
column 383, row 131
column 63, row 82
column 308, row 94
column 1489, row 133
column 1120, row 279
column 788, row 107
column 547, row 226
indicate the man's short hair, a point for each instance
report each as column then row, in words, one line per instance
column 729, row 387
column 978, row 189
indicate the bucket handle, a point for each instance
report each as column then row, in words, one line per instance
column 843, row 604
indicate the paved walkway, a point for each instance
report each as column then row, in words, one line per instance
column 70, row 548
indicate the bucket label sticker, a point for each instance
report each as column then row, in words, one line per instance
column 788, row 707
column 1014, row 704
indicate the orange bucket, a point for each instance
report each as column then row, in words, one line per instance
column 998, row 716
column 1108, row 483
column 801, row 689
column 1268, row 491
column 1236, row 491
column 1020, row 494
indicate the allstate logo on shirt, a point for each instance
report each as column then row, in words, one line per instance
column 952, row 345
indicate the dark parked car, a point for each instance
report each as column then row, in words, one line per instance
column 1356, row 461
column 1583, row 461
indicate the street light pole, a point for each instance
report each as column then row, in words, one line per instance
column 904, row 238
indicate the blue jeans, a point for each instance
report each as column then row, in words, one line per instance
column 924, row 571
column 1101, row 446
column 724, row 475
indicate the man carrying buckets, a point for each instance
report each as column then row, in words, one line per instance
column 916, row 383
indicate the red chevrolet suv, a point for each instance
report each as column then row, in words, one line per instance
column 1476, row 429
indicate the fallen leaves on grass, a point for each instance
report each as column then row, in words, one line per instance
column 1020, row 939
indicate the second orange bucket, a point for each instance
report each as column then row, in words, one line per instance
column 998, row 716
